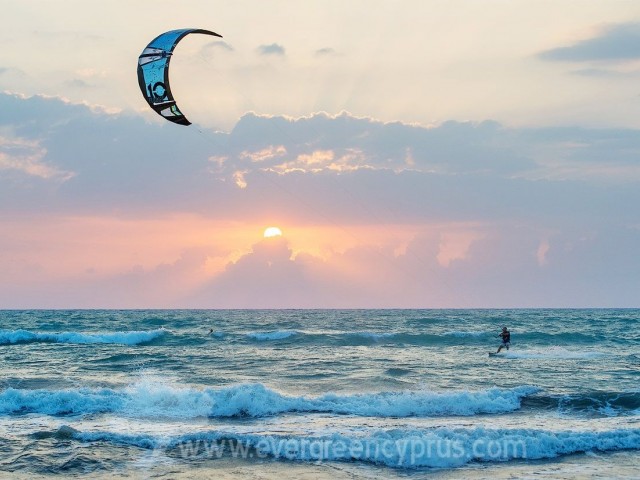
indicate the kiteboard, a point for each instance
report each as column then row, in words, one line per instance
column 494, row 354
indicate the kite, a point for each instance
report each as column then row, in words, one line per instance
column 153, row 73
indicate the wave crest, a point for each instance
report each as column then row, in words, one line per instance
column 135, row 337
column 267, row 336
column 152, row 399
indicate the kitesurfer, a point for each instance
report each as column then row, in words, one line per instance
column 506, row 339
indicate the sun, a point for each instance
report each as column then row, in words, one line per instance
column 272, row 232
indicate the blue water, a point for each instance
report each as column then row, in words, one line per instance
column 323, row 393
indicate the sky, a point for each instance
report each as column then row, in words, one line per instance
column 414, row 154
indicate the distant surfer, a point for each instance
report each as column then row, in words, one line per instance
column 210, row 331
column 506, row 339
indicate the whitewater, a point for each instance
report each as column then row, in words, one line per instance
column 319, row 393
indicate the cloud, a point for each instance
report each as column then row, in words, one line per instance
column 268, row 275
column 273, row 49
column 22, row 156
column 218, row 45
column 209, row 50
column 474, row 266
column 312, row 168
column 325, row 52
column 605, row 73
column 267, row 153
column 164, row 285
column 271, row 276
column 450, row 148
column 613, row 43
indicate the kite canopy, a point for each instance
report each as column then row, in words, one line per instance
column 153, row 73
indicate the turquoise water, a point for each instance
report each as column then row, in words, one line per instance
column 338, row 393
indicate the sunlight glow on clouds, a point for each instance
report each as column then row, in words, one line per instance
column 455, row 246
column 488, row 173
column 27, row 156
column 267, row 153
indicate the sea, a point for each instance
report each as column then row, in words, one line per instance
column 319, row 394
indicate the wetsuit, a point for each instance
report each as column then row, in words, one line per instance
column 506, row 339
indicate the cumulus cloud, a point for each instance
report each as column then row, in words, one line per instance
column 451, row 148
column 267, row 275
column 613, row 43
column 313, row 167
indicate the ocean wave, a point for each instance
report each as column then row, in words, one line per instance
column 359, row 338
column 551, row 342
column 610, row 404
column 269, row 336
column 153, row 399
column 123, row 338
column 547, row 342
column 399, row 448
column 372, row 335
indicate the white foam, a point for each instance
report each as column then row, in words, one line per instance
column 150, row 398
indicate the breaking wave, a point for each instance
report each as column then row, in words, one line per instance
column 123, row 338
column 153, row 399
column 399, row 448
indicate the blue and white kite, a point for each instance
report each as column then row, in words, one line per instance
column 153, row 73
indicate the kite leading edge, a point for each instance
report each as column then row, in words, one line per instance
column 153, row 73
